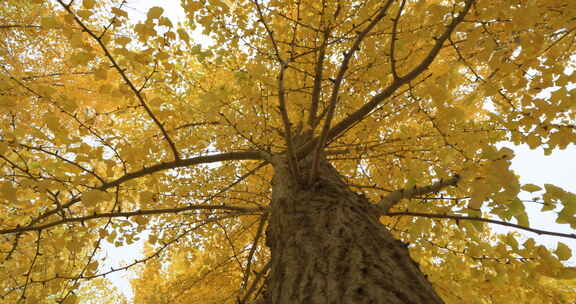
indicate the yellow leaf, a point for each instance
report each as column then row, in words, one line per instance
column 141, row 220
column 120, row 13
column 92, row 267
column 92, row 197
column 123, row 40
column 52, row 121
column 84, row 14
column 88, row 4
column 101, row 73
column 146, row 197
column 103, row 233
column 567, row 273
column 152, row 238
column 165, row 22
column 563, row 252
column 71, row 299
column 49, row 22
column 8, row 191
column 81, row 58
column 511, row 240
column 77, row 41
column 155, row 12
column 531, row 188
column 183, row 35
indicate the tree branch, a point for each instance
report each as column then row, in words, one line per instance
column 393, row 40
column 281, row 92
column 286, row 120
column 259, row 277
column 336, row 88
column 57, row 156
column 245, row 155
column 317, row 89
column 387, row 92
column 480, row 219
column 130, row 214
column 268, row 31
column 137, row 92
column 388, row 201
column 9, row 26
column 253, row 250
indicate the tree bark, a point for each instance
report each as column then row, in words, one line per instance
column 327, row 246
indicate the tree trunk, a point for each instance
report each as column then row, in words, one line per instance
column 327, row 246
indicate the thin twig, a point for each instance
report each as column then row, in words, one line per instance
column 259, row 277
column 253, row 250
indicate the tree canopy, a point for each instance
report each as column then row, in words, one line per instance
column 122, row 131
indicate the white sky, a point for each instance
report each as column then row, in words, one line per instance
column 535, row 168
column 532, row 166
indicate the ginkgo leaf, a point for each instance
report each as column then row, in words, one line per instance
column 101, row 73
column 123, row 40
column 49, row 22
column 92, row 267
column 8, row 192
column 80, row 58
column 563, row 252
column 93, row 197
column 119, row 12
column 85, row 14
column 183, row 35
column 155, row 12
column 567, row 273
column 511, row 240
column 88, row 4
column 531, row 188
column 71, row 299
column 146, row 197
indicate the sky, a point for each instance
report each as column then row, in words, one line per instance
column 531, row 165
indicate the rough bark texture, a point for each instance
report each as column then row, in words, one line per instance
column 327, row 246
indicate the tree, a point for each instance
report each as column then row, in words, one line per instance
column 319, row 152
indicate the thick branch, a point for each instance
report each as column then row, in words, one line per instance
column 286, row 119
column 338, row 82
column 129, row 214
column 387, row 92
column 247, row 155
column 393, row 198
column 317, row 89
column 496, row 222
column 393, row 40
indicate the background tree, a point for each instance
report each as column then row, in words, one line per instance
column 276, row 165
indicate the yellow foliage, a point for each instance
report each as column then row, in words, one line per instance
column 117, row 130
